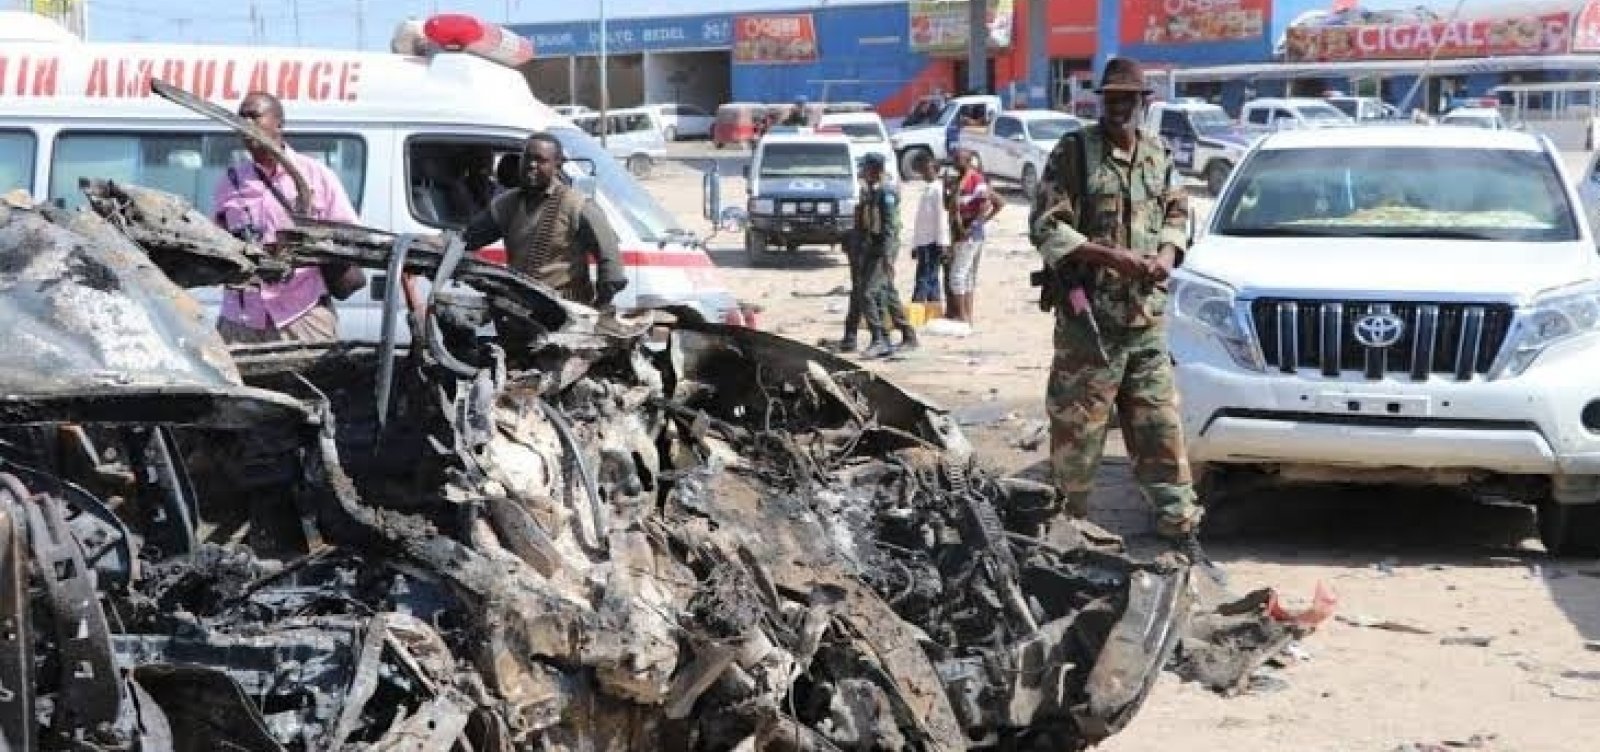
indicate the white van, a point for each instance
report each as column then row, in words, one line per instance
column 632, row 135
column 393, row 128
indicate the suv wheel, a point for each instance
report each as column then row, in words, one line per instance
column 1030, row 181
column 1570, row 529
column 755, row 247
column 1216, row 175
column 640, row 165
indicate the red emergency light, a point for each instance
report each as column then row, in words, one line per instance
column 458, row 32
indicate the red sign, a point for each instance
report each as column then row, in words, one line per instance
column 1586, row 28
column 1162, row 22
column 1481, row 37
column 1072, row 28
column 786, row 38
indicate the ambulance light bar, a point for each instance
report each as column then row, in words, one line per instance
column 458, row 32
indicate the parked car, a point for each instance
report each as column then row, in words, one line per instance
column 866, row 131
column 1017, row 144
column 1294, row 112
column 1475, row 117
column 738, row 124
column 632, row 135
column 802, row 189
column 1205, row 143
column 1362, row 109
column 683, row 121
column 570, row 110
column 1399, row 304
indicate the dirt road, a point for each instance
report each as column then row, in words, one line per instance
column 1444, row 566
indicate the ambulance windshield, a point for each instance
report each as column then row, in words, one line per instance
column 648, row 219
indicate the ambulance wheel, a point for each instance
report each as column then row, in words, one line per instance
column 640, row 165
column 1030, row 181
column 1569, row 530
column 1216, row 175
column 791, row 247
column 755, row 247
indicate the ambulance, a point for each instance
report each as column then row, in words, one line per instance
column 414, row 135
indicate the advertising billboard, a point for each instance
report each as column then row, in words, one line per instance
column 775, row 38
column 1542, row 34
column 940, row 26
column 1171, row 22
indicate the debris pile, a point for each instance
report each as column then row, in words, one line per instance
column 518, row 525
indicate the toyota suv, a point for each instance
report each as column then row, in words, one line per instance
column 802, row 187
column 1399, row 304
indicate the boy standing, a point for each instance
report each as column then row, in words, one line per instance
column 930, row 236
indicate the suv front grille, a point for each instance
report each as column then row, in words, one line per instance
column 805, row 208
column 1456, row 340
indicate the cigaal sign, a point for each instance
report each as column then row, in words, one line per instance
column 107, row 77
column 1548, row 34
column 1163, row 22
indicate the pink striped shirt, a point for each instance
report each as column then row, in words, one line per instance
column 243, row 200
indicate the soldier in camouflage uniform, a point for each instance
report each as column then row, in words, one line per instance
column 873, row 294
column 1110, row 251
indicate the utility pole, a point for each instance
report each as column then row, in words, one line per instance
column 294, row 7
column 605, row 90
column 978, row 46
column 361, row 25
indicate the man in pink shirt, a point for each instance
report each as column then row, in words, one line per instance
column 253, row 201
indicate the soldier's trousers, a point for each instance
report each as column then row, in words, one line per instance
column 872, row 293
column 1138, row 380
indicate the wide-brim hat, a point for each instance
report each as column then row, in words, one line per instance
column 1123, row 74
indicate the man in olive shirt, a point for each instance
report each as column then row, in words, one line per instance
column 551, row 229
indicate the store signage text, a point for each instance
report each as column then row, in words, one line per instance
column 1527, row 35
column 786, row 38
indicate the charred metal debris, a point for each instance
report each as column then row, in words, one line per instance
column 580, row 533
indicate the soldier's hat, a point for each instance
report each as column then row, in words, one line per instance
column 1123, row 74
column 872, row 159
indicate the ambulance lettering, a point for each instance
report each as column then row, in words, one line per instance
column 227, row 79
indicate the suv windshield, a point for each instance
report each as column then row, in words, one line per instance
column 1321, row 111
column 1050, row 130
column 1425, row 192
column 809, row 160
column 616, row 187
column 1209, row 119
column 861, row 133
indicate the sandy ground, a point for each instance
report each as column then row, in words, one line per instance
column 1441, row 564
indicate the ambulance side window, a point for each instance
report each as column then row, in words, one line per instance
column 452, row 179
column 16, row 160
column 187, row 164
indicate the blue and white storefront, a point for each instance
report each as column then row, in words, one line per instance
column 664, row 59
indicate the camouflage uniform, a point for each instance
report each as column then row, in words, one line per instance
column 1133, row 203
column 872, row 261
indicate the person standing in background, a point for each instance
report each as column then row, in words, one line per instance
column 930, row 236
column 975, row 205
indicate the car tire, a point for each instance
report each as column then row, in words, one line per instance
column 1216, row 175
column 670, row 134
column 640, row 165
column 1030, row 181
column 755, row 247
column 1570, row 530
column 908, row 159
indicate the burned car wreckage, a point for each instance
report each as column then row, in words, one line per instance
column 583, row 532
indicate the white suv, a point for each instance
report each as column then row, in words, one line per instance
column 1294, row 112
column 1399, row 304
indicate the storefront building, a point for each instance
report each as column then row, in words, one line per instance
column 1043, row 52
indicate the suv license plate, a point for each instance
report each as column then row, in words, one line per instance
column 1396, row 406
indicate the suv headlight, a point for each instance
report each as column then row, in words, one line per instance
column 1212, row 307
column 1558, row 316
column 761, row 206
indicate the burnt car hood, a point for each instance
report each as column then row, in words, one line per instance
column 96, row 332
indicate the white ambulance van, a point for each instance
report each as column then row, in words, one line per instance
column 415, row 139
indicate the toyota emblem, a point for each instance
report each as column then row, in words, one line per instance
column 1379, row 330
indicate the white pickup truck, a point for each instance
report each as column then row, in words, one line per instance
column 1205, row 142
column 1017, row 143
column 935, row 138
column 1398, row 304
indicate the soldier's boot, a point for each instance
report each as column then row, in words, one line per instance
column 1184, row 535
column 908, row 338
column 880, row 346
column 846, row 344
